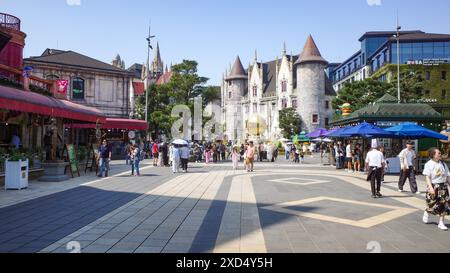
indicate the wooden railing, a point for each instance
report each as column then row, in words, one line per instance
column 16, row 75
column 9, row 21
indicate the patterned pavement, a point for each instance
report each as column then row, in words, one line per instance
column 281, row 207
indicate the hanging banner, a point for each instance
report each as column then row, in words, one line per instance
column 62, row 87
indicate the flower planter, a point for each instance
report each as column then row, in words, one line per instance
column 54, row 171
column 16, row 176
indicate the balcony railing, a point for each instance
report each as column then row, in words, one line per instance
column 9, row 21
column 15, row 78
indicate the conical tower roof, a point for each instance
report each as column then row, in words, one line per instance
column 310, row 53
column 238, row 71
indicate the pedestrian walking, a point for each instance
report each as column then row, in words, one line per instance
column 135, row 160
column 176, row 158
column 235, row 156
column 207, row 154
column 349, row 156
column 407, row 159
column 105, row 156
column 437, row 176
column 184, row 156
column 357, row 155
column 374, row 167
column 155, row 153
column 287, row 148
column 297, row 156
column 250, row 156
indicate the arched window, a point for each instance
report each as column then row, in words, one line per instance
column 78, row 89
column 52, row 77
column 284, row 86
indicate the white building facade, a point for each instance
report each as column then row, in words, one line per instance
column 261, row 91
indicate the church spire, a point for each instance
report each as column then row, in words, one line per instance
column 284, row 48
column 158, row 65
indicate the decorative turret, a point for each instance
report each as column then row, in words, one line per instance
column 310, row 53
column 237, row 71
column 311, row 87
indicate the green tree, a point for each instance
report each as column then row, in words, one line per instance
column 411, row 86
column 360, row 93
column 185, row 83
column 183, row 87
column 290, row 122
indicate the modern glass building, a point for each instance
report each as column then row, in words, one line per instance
column 418, row 48
column 379, row 48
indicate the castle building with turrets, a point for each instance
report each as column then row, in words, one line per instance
column 265, row 88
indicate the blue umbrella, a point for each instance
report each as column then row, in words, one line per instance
column 317, row 133
column 414, row 131
column 369, row 131
column 338, row 132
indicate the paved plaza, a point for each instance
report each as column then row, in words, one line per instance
column 281, row 207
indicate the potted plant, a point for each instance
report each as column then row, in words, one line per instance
column 16, row 176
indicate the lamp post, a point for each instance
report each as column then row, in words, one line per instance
column 398, row 60
column 147, row 78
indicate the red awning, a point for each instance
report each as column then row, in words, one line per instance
column 31, row 102
column 139, row 88
column 115, row 123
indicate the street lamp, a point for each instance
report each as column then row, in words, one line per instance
column 398, row 60
column 147, row 79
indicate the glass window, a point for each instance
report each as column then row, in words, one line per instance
column 230, row 95
column 315, row 119
column 284, row 86
column 327, row 121
column 78, row 88
column 444, row 75
column 439, row 52
column 444, row 94
column 417, row 53
column 52, row 77
column 428, row 52
column 255, row 91
column 294, row 103
column 283, row 103
column 327, row 104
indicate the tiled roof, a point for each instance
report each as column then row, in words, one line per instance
column 139, row 88
column 386, row 33
column 71, row 58
column 422, row 37
column 310, row 53
column 165, row 78
column 237, row 71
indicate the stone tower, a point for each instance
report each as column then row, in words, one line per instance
column 234, row 88
column 157, row 67
column 311, row 87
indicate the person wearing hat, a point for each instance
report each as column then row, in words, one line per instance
column 374, row 166
column 407, row 158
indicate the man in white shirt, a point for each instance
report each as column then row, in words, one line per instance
column 349, row 157
column 375, row 165
column 407, row 158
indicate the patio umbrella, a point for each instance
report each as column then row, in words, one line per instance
column 336, row 133
column 180, row 142
column 413, row 131
column 317, row 133
column 325, row 140
column 367, row 130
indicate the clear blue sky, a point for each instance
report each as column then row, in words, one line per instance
column 214, row 32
